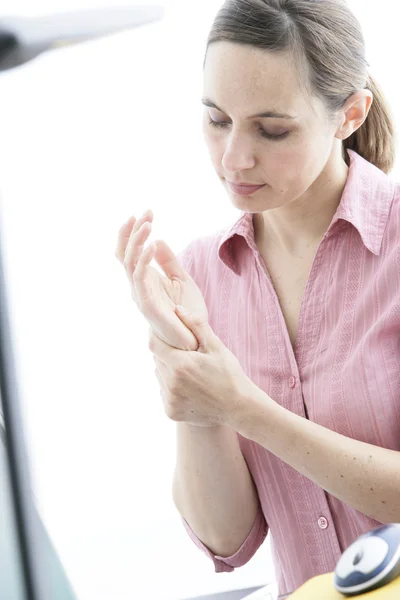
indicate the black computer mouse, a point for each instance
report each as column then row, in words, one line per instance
column 372, row 561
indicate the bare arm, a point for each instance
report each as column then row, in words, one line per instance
column 213, row 489
column 363, row 476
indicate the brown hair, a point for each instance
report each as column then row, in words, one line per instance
column 326, row 40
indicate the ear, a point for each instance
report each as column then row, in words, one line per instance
column 354, row 113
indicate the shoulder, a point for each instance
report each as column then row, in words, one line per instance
column 396, row 198
column 389, row 255
column 393, row 223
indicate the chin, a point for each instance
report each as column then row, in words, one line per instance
column 253, row 204
column 247, row 204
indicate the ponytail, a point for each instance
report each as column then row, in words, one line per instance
column 375, row 139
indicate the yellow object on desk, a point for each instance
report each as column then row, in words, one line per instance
column 321, row 588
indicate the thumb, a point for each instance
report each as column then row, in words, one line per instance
column 199, row 327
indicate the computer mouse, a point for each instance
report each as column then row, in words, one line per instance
column 370, row 562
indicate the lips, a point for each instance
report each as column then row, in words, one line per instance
column 244, row 189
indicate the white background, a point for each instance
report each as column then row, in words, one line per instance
column 89, row 136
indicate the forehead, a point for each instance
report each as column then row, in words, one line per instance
column 237, row 76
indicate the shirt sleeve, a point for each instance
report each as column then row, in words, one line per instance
column 259, row 529
column 246, row 551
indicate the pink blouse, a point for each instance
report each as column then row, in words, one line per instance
column 344, row 372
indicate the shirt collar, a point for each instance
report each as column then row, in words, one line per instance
column 365, row 203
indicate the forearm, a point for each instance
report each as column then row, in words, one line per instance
column 363, row 476
column 213, row 489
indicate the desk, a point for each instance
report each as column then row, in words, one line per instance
column 231, row 595
column 235, row 595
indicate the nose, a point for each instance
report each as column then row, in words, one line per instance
column 239, row 153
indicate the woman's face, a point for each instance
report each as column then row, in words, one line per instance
column 286, row 151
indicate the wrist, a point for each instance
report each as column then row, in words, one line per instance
column 200, row 429
column 252, row 406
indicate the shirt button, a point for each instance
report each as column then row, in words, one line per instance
column 322, row 523
column 292, row 381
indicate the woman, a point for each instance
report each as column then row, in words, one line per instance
column 285, row 380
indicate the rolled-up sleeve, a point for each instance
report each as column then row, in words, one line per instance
column 246, row 551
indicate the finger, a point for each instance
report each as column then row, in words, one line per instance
column 135, row 247
column 123, row 238
column 163, row 391
column 157, row 346
column 161, row 382
column 161, row 371
column 147, row 216
column 144, row 261
column 163, row 351
column 131, row 226
column 158, row 376
column 159, row 379
column 168, row 261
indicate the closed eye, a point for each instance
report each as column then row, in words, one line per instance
column 263, row 133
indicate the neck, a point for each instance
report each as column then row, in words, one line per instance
column 303, row 223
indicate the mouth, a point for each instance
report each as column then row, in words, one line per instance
column 244, row 189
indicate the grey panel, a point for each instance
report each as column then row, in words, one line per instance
column 11, row 574
column 12, row 584
column 232, row 595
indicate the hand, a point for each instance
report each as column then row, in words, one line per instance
column 156, row 296
column 205, row 388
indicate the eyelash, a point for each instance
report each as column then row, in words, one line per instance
column 269, row 136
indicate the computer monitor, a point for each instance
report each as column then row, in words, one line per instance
column 13, row 583
column 29, row 566
column 12, row 580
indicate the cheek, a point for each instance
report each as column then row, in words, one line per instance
column 294, row 169
column 289, row 161
column 282, row 160
column 286, row 169
column 215, row 148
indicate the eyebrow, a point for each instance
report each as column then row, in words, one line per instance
column 264, row 115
